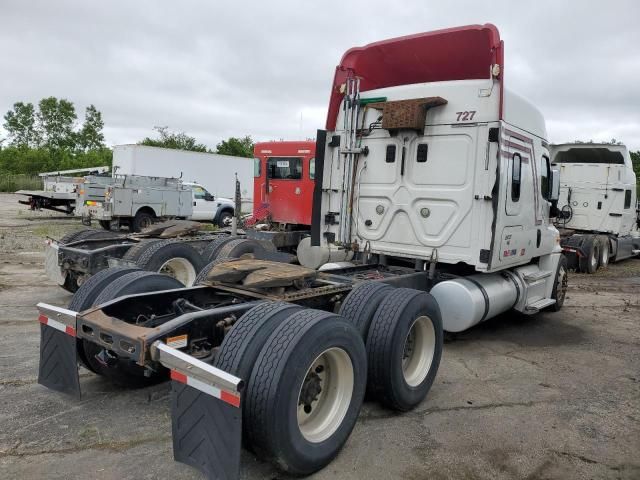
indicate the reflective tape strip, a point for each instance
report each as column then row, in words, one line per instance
column 223, row 395
column 57, row 325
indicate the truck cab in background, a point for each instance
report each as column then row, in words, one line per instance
column 598, row 217
column 208, row 208
column 284, row 175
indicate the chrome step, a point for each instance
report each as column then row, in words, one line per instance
column 534, row 277
column 539, row 305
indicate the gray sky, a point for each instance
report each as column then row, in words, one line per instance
column 216, row 70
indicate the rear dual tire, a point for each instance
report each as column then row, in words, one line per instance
column 176, row 259
column 305, row 391
column 108, row 285
column 404, row 348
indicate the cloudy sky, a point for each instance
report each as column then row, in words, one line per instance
column 217, row 69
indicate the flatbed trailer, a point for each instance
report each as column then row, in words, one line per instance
column 60, row 190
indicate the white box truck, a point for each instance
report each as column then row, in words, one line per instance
column 598, row 218
column 215, row 172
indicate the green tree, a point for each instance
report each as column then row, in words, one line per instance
column 176, row 140
column 90, row 136
column 237, row 147
column 56, row 121
column 20, row 123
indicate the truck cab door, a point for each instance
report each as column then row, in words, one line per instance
column 284, row 188
column 204, row 205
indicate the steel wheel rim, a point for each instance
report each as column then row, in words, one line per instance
column 605, row 255
column 180, row 269
column 594, row 258
column 321, row 418
column 145, row 222
column 563, row 283
column 419, row 350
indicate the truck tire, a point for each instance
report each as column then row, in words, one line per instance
column 123, row 371
column 97, row 234
column 605, row 251
column 225, row 218
column 362, row 302
column 404, row 347
column 86, row 295
column 291, row 419
column 202, row 275
column 210, row 252
column 134, row 252
column 238, row 247
column 106, row 224
column 177, row 259
column 73, row 236
column 591, row 249
column 242, row 344
column 141, row 221
column 560, row 284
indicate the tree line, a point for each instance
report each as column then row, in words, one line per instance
column 47, row 137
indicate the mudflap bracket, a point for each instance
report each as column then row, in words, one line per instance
column 206, row 418
column 58, row 368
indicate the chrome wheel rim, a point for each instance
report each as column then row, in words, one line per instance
column 325, row 395
column 605, row 256
column 180, row 269
column 419, row 349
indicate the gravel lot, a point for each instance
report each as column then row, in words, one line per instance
column 551, row 396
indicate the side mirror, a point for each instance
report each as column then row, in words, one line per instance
column 208, row 197
column 554, row 186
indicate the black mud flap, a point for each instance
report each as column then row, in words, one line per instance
column 207, row 432
column 58, row 368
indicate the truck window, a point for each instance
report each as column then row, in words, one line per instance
column 284, row 168
column 391, row 154
column 256, row 168
column 199, row 192
column 516, row 169
column 312, row 168
column 423, row 150
column 545, row 170
column 627, row 199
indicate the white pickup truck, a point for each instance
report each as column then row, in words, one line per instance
column 206, row 207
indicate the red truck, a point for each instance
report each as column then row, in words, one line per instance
column 284, row 181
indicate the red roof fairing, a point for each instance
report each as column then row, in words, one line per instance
column 462, row 53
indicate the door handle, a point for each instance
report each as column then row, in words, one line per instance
column 194, row 203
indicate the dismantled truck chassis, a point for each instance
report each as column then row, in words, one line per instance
column 258, row 337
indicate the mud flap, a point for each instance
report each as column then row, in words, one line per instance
column 206, row 418
column 206, row 432
column 58, row 369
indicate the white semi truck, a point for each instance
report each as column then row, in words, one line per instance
column 598, row 219
column 432, row 206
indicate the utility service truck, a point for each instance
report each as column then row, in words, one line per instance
column 598, row 220
column 137, row 201
column 433, row 178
